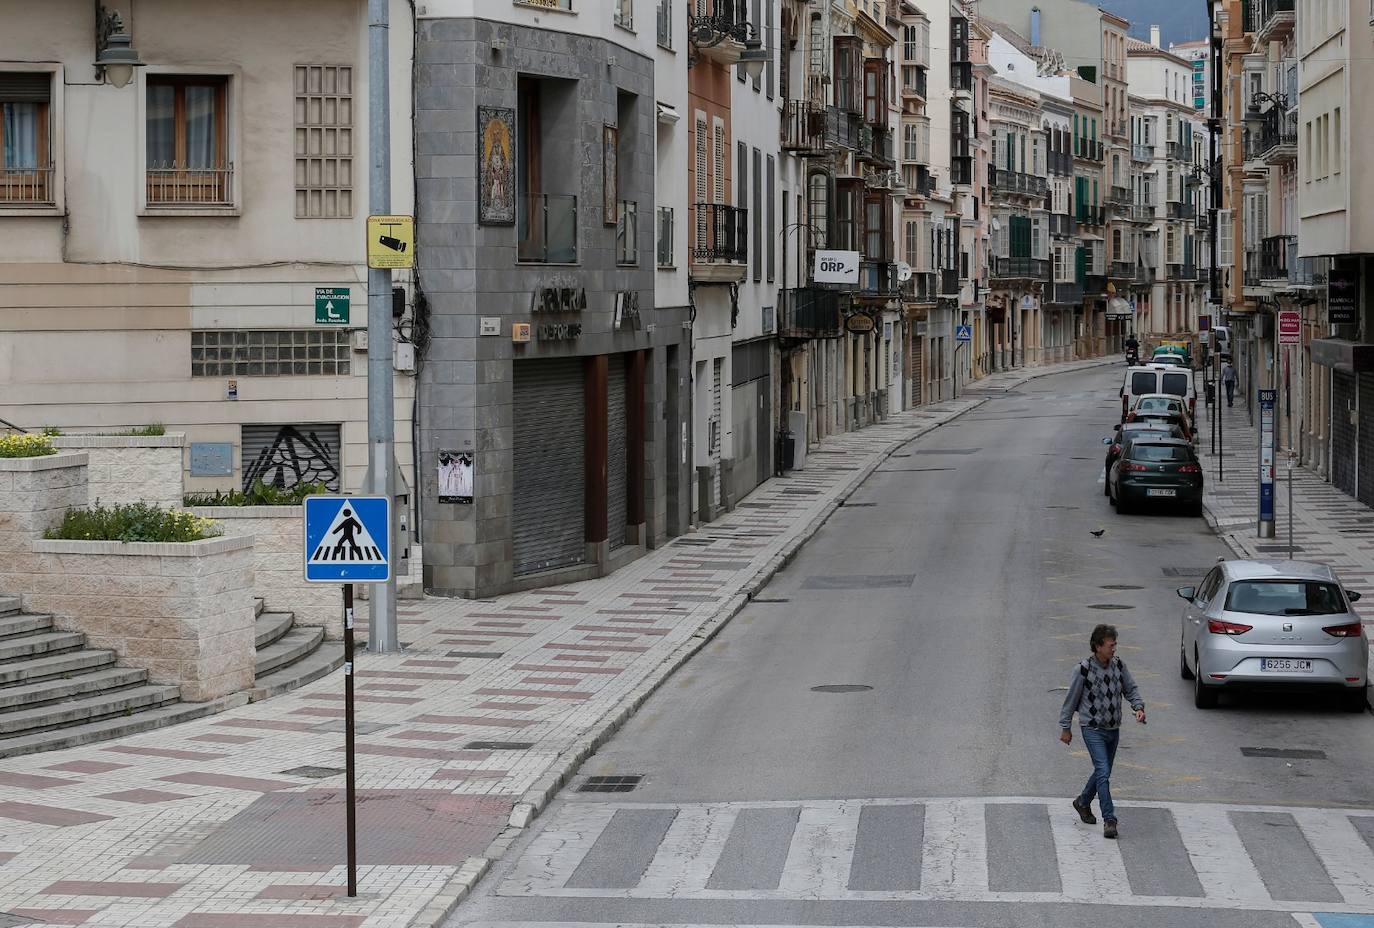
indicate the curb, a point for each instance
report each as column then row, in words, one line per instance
column 533, row 802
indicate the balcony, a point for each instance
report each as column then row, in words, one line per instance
column 809, row 312
column 1095, row 284
column 875, row 146
column 26, row 186
column 626, row 233
column 547, row 227
column 1062, row 225
column 1142, row 153
column 961, row 77
column 1141, row 212
column 915, row 83
column 1121, row 271
column 1188, row 271
column 1278, row 139
column 1177, row 151
column 1061, row 293
column 1274, row 260
column 877, row 279
column 1118, row 198
column 961, row 170
column 918, row 180
column 1304, row 272
column 1143, row 276
column 720, row 245
column 1090, row 215
column 1253, row 265
column 1088, row 150
column 1185, row 211
column 1014, row 182
column 1061, row 163
column 1271, row 20
column 1019, row 268
column 718, row 29
column 181, row 186
column 921, row 288
column 803, row 127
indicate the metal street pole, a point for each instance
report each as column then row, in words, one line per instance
column 381, row 412
column 350, row 767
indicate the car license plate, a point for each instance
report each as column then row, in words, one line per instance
column 1287, row 664
column 1161, row 492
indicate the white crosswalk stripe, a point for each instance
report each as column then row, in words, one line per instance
column 821, row 857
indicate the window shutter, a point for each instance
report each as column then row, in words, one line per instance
column 25, row 86
column 1226, row 239
column 703, row 167
column 718, row 163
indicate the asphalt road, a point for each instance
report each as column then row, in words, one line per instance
column 958, row 586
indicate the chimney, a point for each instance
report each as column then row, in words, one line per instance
column 1154, row 36
column 1035, row 26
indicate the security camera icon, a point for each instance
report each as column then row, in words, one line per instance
column 395, row 244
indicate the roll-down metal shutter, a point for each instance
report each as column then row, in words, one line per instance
column 283, row 455
column 617, row 489
column 718, row 426
column 918, row 366
column 1342, row 431
column 1364, row 461
column 549, row 524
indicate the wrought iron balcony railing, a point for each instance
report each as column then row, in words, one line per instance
column 1003, row 181
column 1274, row 257
column 26, row 186
column 1019, row 268
column 179, row 185
column 810, row 312
column 721, row 234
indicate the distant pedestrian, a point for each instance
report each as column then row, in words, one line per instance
column 1228, row 380
column 1095, row 692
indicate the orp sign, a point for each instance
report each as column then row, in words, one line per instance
column 836, row 267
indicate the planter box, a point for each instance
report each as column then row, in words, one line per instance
column 183, row 612
column 278, row 563
column 127, row 469
column 34, row 495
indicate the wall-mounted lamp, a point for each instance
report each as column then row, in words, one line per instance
column 115, row 58
column 753, row 59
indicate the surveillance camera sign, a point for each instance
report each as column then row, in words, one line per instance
column 836, row 267
column 390, row 241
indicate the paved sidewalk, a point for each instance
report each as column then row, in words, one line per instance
column 236, row 821
column 1329, row 526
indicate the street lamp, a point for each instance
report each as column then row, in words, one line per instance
column 1254, row 119
column 753, row 59
column 115, row 58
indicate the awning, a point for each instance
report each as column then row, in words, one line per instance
column 667, row 114
column 1343, row 355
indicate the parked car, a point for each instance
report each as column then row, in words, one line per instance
column 1113, row 442
column 1157, row 378
column 1163, row 408
column 1155, row 468
column 1170, row 359
column 1283, row 624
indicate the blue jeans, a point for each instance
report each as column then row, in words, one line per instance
column 1101, row 744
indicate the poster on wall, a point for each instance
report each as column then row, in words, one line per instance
column 495, row 165
column 610, row 178
column 455, row 477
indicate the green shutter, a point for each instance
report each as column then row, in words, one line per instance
column 1020, row 237
column 1080, row 265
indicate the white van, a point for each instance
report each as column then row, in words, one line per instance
column 1158, row 378
column 1221, row 339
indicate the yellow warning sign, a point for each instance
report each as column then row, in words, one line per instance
column 390, row 241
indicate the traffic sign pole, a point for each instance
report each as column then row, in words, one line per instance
column 350, row 770
column 383, row 636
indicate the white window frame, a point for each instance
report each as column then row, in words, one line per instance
column 233, row 104
column 56, row 141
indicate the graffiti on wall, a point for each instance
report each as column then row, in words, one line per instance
column 291, row 457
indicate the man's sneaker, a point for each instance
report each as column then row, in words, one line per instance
column 1109, row 828
column 1085, row 812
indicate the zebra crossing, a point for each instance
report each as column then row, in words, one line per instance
column 1007, row 849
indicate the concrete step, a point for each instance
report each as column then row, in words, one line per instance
column 87, row 709
column 324, row 660
column 291, row 647
column 105, row 729
column 43, row 667
column 259, row 604
column 23, row 646
column 271, row 626
column 9, row 604
column 23, row 623
column 76, row 685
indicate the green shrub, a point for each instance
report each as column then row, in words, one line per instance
column 133, row 522
column 259, row 494
column 25, row 446
column 51, row 431
column 155, row 430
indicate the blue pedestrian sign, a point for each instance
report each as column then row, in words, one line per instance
column 347, row 539
column 963, row 333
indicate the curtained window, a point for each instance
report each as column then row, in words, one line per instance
column 186, row 142
column 25, row 144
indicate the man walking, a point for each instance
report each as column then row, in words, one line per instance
column 1228, row 380
column 1095, row 691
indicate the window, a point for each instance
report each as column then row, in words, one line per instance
column 187, row 142
column 665, row 23
column 271, row 353
column 1336, row 141
column 770, row 188
column 1285, row 597
column 625, row 13
column 848, row 197
column 26, row 170
column 818, row 208
column 665, row 236
column 546, row 210
column 324, row 142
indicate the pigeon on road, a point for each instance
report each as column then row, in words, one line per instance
column 1099, row 533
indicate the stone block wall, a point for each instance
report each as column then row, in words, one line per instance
column 183, row 612
column 278, row 564
column 34, row 494
column 131, row 469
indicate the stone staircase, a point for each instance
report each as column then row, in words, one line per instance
column 57, row 693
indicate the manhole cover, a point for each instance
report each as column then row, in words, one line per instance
column 1121, row 586
column 314, row 773
column 474, row 653
column 1107, row 607
column 622, row 784
column 841, row 688
column 859, row 582
column 1285, row 753
column 498, row 745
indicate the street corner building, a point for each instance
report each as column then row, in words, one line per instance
column 551, row 372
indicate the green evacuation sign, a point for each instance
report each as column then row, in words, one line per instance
column 331, row 306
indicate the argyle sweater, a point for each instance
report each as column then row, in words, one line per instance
column 1095, row 692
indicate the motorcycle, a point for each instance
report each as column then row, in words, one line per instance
column 1132, row 357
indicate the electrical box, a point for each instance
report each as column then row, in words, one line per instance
column 403, row 357
column 359, row 339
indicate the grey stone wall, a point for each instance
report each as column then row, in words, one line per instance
column 468, row 271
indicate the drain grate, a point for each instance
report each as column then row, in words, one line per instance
column 1285, row 753
column 610, row 784
column 849, row 505
column 1277, row 549
column 498, row 745
column 914, row 470
column 761, row 599
column 1108, row 607
column 1121, row 586
column 948, row 450
column 314, row 773
column 698, row 542
column 859, row 582
column 487, row 654
column 841, row 688
column 1184, row 571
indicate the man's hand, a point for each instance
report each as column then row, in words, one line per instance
column 1140, row 716
column 1066, row 736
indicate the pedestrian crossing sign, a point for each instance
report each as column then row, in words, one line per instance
column 347, row 539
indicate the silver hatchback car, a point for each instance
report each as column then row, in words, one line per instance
column 1272, row 623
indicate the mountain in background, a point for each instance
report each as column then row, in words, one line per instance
column 1180, row 20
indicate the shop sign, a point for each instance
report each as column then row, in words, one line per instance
column 559, row 331
column 1343, row 293
column 859, row 323
column 836, row 267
